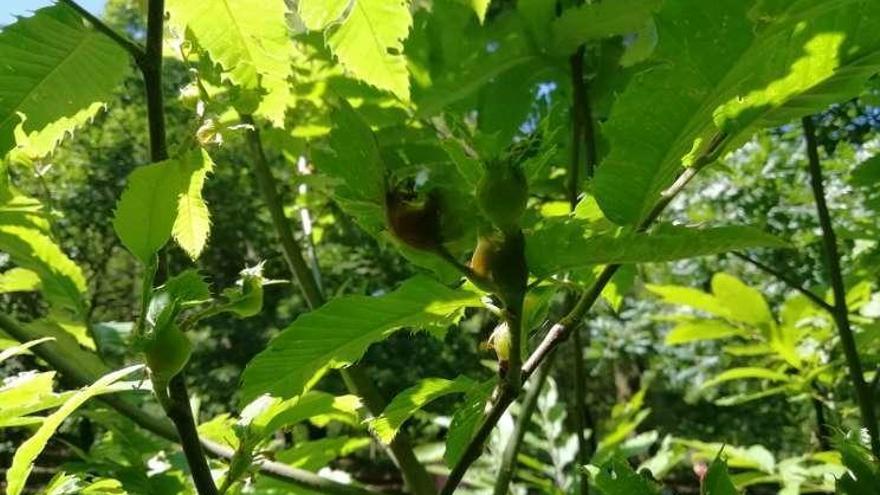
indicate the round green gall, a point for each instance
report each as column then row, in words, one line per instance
column 502, row 194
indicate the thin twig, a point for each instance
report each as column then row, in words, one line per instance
column 561, row 330
column 135, row 50
column 416, row 477
column 864, row 394
column 511, row 451
column 812, row 296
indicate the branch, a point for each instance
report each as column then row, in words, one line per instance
column 560, row 331
column 178, row 409
column 530, row 401
column 812, row 296
column 417, row 478
column 75, row 372
column 135, row 50
column 176, row 404
column 864, row 395
column 582, row 128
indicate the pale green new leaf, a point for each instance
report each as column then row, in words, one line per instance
column 593, row 21
column 338, row 334
column 564, row 246
column 701, row 330
column 317, row 15
column 19, row 280
column 744, row 303
column 369, row 43
column 26, row 394
column 693, row 298
column 61, row 280
column 248, row 38
column 406, row 403
column 21, row 349
column 56, row 72
column 161, row 199
column 23, row 462
column 193, row 223
column 746, row 373
column 719, row 78
column 730, row 299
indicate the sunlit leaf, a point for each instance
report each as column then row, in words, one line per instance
column 22, row 463
column 300, row 355
column 406, row 403
column 57, row 73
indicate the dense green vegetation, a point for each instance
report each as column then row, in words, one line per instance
column 441, row 246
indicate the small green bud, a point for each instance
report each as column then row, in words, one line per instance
column 499, row 341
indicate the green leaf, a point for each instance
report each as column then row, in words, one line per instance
column 565, row 246
column 21, row 348
column 717, row 481
column 731, row 299
column 406, row 403
column 23, row 462
column 466, row 420
column 266, row 415
column 693, row 298
column 862, row 475
column 193, row 223
column 61, row 280
column 300, row 355
column 248, row 38
column 744, row 303
column 316, row 454
column 594, row 21
column 19, row 280
column 616, row 477
column 734, row 78
column 188, row 287
column 700, row 330
column 161, row 199
column 26, row 394
column 479, row 7
column 57, row 73
column 317, row 15
column 746, row 373
column 369, row 43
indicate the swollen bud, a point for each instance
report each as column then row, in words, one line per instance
column 414, row 221
column 502, row 194
column 499, row 341
column 501, row 259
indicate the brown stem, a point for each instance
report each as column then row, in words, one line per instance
column 864, row 395
column 417, row 478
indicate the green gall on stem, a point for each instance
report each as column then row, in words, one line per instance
column 502, row 194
